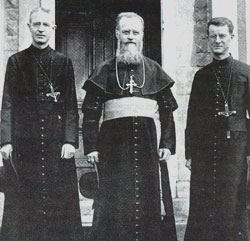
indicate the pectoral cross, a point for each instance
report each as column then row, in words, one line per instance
column 53, row 94
column 227, row 113
column 131, row 84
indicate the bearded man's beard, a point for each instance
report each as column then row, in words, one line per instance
column 129, row 53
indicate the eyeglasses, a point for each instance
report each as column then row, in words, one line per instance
column 220, row 36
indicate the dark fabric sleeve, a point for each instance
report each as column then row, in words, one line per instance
column 248, row 109
column 92, row 111
column 248, row 140
column 71, row 110
column 7, row 103
column 167, row 104
column 191, row 114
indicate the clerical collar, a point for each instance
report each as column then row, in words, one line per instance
column 225, row 61
column 37, row 51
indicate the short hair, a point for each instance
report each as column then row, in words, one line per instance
column 221, row 21
column 40, row 9
column 128, row 15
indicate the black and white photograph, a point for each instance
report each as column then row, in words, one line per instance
column 125, row 120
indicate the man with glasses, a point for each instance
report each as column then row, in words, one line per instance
column 217, row 142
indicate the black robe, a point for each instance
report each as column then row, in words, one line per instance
column 218, row 176
column 127, row 206
column 41, row 196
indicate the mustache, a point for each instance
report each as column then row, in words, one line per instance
column 131, row 42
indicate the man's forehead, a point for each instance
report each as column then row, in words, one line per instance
column 41, row 16
column 130, row 22
column 220, row 28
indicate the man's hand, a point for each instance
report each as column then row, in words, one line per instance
column 6, row 151
column 188, row 163
column 164, row 154
column 68, row 151
column 93, row 157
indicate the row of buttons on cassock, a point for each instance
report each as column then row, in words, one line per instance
column 42, row 164
column 137, row 180
column 215, row 155
column 215, row 151
column 42, row 97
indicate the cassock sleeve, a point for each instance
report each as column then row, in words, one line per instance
column 7, row 103
column 191, row 114
column 92, row 111
column 71, row 110
column 248, row 109
column 167, row 104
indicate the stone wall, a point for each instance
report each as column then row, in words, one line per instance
column 185, row 50
column 9, row 35
column 12, row 23
column 192, row 52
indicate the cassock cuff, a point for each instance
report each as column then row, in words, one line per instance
column 72, row 143
column 5, row 143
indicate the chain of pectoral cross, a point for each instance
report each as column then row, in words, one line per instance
column 227, row 113
column 52, row 93
column 131, row 83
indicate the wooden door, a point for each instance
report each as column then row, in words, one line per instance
column 85, row 31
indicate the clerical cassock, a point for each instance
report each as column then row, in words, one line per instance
column 137, row 106
column 39, row 115
column 217, row 143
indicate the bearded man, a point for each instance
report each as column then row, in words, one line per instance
column 135, row 140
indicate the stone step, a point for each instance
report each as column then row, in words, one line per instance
column 180, row 228
column 181, row 206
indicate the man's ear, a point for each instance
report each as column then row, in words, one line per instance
column 54, row 27
column 28, row 24
column 117, row 33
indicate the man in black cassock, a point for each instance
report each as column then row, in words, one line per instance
column 216, row 143
column 136, row 136
column 39, row 134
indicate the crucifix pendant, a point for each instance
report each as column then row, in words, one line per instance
column 53, row 94
column 131, row 84
column 227, row 113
